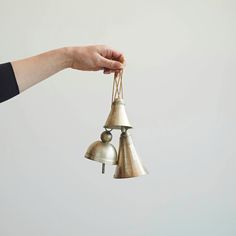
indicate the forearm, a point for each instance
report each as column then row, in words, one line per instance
column 19, row 75
column 32, row 70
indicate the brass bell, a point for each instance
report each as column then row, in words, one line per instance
column 117, row 117
column 102, row 151
column 129, row 165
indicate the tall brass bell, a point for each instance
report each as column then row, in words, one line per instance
column 102, row 151
column 129, row 165
column 117, row 117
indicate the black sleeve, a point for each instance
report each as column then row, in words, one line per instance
column 8, row 85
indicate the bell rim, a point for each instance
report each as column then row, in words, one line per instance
column 117, row 126
column 128, row 177
column 89, row 157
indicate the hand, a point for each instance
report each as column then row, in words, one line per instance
column 97, row 57
column 30, row 71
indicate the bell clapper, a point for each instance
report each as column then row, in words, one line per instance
column 103, row 168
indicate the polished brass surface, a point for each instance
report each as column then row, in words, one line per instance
column 102, row 152
column 117, row 117
column 129, row 165
column 106, row 136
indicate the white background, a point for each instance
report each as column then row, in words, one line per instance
column 180, row 97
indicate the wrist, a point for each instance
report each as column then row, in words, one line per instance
column 67, row 56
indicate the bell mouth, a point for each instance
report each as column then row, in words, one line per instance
column 117, row 127
column 128, row 176
column 101, row 160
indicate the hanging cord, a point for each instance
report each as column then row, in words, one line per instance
column 117, row 90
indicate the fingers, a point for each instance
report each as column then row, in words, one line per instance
column 112, row 60
column 115, row 55
column 110, row 64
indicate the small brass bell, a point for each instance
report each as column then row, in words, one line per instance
column 129, row 164
column 117, row 117
column 103, row 151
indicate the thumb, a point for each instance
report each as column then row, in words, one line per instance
column 111, row 64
